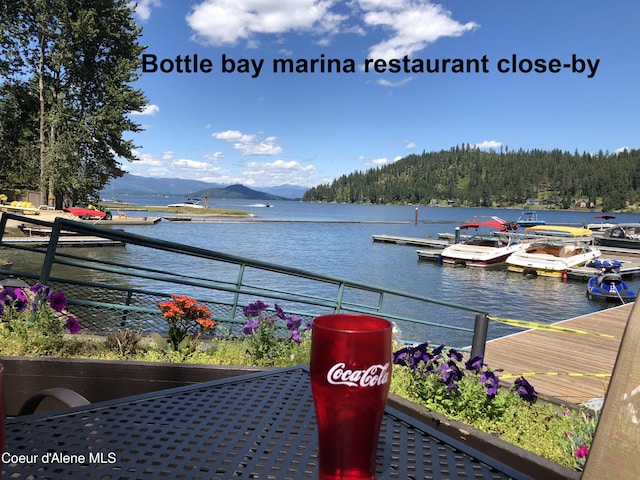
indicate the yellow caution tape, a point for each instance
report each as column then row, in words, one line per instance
column 553, row 374
column 552, row 328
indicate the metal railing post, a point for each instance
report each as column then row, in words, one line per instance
column 480, row 329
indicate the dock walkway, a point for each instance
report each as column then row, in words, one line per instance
column 579, row 364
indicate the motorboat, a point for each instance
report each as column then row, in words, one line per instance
column 608, row 284
column 190, row 203
column 529, row 218
column 553, row 250
column 599, row 227
column 483, row 250
column 624, row 235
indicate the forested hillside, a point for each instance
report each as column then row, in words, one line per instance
column 468, row 176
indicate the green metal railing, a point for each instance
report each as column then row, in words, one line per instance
column 107, row 291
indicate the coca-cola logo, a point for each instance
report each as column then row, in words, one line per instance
column 374, row 376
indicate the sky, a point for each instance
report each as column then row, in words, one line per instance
column 301, row 92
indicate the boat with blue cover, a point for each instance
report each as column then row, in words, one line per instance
column 529, row 218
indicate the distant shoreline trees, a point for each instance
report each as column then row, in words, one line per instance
column 66, row 70
column 468, row 176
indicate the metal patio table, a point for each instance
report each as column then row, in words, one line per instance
column 252, row 426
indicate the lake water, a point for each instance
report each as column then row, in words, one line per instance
column 336, row 240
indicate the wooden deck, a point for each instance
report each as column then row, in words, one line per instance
column 570, row 355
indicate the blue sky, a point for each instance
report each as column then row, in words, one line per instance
column 306, row 128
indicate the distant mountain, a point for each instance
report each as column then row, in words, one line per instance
column 236, row 192
column 135, row 185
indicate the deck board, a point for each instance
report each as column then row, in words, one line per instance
column 539, row 351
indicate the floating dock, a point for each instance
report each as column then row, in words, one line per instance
column 412, row 241
column 572, row 367
column 63, row 241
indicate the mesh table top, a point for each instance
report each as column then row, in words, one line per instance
column 255, row 426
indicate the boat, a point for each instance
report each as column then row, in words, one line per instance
column 190, row 203
column 553, row 250
column 602, row 225
column 624, row 235
column 87, row 213
column 608, row 284
column 529, row 218
column 482, row 250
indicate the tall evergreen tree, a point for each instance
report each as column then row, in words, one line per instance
column 80, row 57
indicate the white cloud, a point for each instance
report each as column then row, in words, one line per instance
column 622, row 149
column 146, row 159
column 143, row 8
column 379, row 162
column 280, row 172
column 414, row 23
column 224, row 22
column 217, row 156
column 409, row 25
column 249, row 144
column 148, row 110
column 488, row 144
column 409, row 144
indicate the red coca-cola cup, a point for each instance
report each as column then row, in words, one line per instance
column 2, row 415
column 350, row 378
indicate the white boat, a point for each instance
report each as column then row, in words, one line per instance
column 557, row 249
column 599, row 228
column 483, row 250
column 191, row 203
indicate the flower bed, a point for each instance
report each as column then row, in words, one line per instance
column 451, row 390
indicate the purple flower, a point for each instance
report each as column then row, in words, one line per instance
column 437, row 351
column 293, row 322
column 456, row 355
column 279, row 312
column 295, row 336
column 490, row 381
column 450, row 375
column 40, row 289
column 401, row 356
column 525, row 390
column 72, row 324
column 57, row 301
column 474, row 364
column 21, row 301
column 251, row 326
column 254, row 309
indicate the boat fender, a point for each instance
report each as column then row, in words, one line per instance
column 530, row 272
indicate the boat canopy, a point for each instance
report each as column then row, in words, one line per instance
column 559, row 230
column 487, row 221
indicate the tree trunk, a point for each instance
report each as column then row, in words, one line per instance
column 43, row 149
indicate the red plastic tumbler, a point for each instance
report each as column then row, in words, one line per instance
column 350, row 378
column 2, row 415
